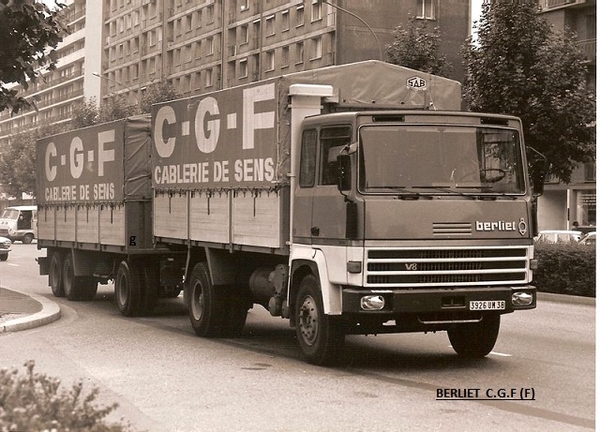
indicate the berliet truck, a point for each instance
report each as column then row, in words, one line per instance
column 353, row 199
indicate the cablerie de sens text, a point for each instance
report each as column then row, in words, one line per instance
column 521, row 394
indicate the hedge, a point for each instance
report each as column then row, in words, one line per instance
column 32, row 401
column 566, row 268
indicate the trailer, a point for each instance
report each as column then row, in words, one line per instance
column 352, row 199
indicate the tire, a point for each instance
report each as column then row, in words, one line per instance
column 128, row 290
column 150, row 290
column 475, row 340
column 27, row 239
column 236, row 310
column 55, row 275
column 320, row 337
column 3, row 257
column 77, row 288
column 207, row 308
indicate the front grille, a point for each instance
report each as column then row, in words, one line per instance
column 420, row 267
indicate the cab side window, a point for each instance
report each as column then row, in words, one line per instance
column 333, row 140
column 308, row 159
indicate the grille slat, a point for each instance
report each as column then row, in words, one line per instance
column 419, row 267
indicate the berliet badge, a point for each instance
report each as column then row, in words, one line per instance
column 416, row 83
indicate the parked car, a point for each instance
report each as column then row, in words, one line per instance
column 589, row 238
column 558, row 236
column 5, row 244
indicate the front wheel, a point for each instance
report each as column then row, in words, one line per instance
column 320, row 336
column 475, row 340
column 28, row 238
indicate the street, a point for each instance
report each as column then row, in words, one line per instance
column 167, row 379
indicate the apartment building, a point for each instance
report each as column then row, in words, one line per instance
column 201, row 46
column 55, row 93
column 562, row 204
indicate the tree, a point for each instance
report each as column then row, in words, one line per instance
column 518, row 65
column 29, row 34
column 18, row 161
column 85, row 113
column 417, row 46
column 156, row 93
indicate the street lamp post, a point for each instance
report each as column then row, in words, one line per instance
column 96, row 74
column 362, row 21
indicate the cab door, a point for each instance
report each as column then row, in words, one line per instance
column 328, row 224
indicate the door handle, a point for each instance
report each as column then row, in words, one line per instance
column 314, row 231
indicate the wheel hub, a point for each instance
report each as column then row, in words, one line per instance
column 308, row 321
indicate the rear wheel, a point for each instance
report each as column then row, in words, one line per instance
column 128, row 289
column 320, row 336
column 207, row 308
column 236, row 309
column 55, row 275
column 77, row 288
column 475, row 340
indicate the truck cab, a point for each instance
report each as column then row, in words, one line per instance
column 19, row 223
column 413, row 221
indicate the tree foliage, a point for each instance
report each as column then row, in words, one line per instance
column 29, row 34
column 417, row 46
column 519, row 65
column 18, row 161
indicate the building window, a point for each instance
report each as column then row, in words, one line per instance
column 300, row 52
column 243, row 68
column 270, row 25
column 208, row 78
column 210, row 46
column 285, row 56
column 244, row 38
column 589, row 170
column 285, row 20
column 299, row 16
column 243, row 5
column 270, row 60
column 317, row 48
column 426, row 9
column 316, row 13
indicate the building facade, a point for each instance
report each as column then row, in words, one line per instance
column 563, row 204
column 202, row 46
column 55, row 92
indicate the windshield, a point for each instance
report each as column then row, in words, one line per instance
column 9, row 214
column 447, row 159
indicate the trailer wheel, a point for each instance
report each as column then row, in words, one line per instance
column 77, row 288
column 151, row 288
column 207, row 308
column 236, row 305
column 475, row 340
column 128, row 289
column 320, row 336
column 55, row 275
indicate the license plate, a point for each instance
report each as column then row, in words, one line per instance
column 487, row 305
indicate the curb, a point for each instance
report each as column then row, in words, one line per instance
column 50, row 312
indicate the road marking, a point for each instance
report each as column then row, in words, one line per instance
column 500, row 354
column 13, row 265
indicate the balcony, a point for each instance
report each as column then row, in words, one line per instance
column 588, row 47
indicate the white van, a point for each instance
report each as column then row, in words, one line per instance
column 19, row 223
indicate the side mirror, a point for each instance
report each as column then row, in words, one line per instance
column 538, row 167
column 344, row 172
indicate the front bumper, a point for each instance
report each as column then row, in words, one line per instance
column 451, row 299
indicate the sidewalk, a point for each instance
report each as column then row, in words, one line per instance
column 19, row 311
